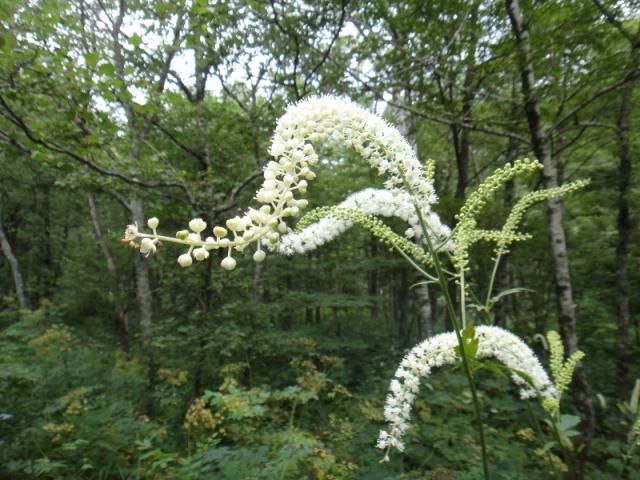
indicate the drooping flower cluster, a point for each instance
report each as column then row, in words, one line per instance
column 440, row 350
column 369, row 201
column 326, row 120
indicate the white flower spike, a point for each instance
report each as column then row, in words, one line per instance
column 440, row 350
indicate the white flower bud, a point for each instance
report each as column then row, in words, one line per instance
column 266, row 196
column 220, row 232
column 233, row 224
column 147, row 247
column 197, row 225
column 131, row 233
column 185, row 260
column 193, row 237
column 266, row 209
column 153, row 223
column 287, row 179
column 255, row 215
column 302, row 203
column 302, row 186
column 259, row 256
column 277, row 148
column 200, row 254
column 282, row 227
column 228, row 263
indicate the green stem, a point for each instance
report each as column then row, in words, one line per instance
column 543, row 440
column 492, row 280
column 456, row 326
column 565, row 451
column 463, row 304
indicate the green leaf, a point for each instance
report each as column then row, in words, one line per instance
column 135, row 40
column 567, row 422
column 91, row 59
column 510, row 291
column 107, row 70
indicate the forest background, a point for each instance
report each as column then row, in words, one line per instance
column 113, row 365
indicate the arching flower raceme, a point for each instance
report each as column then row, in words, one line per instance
column 371, row 201
column 440, row 350
column 329, row 121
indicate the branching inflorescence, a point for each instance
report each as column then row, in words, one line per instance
column 327, row 120
column 408, row 195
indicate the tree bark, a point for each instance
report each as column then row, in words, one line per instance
column 143, row 288
column 120, row 309
column 564, row 294
column 18, row 284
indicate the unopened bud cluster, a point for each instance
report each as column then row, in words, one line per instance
column 561, row 369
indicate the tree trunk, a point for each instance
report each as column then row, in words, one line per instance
column 18, row 284
column 564, row 294
column 143, row 286
column 120, row 310
column 405, row 126
column 424, row 305
column 624, row 225
column 503, row 282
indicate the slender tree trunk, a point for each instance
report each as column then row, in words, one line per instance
column 405, row 125
column 18, row 284
column 502, row 275
column 564, row 293
column 424, row 305
column 624, row 225
column 143, row 286
column 120, row 310
column 372, row 280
